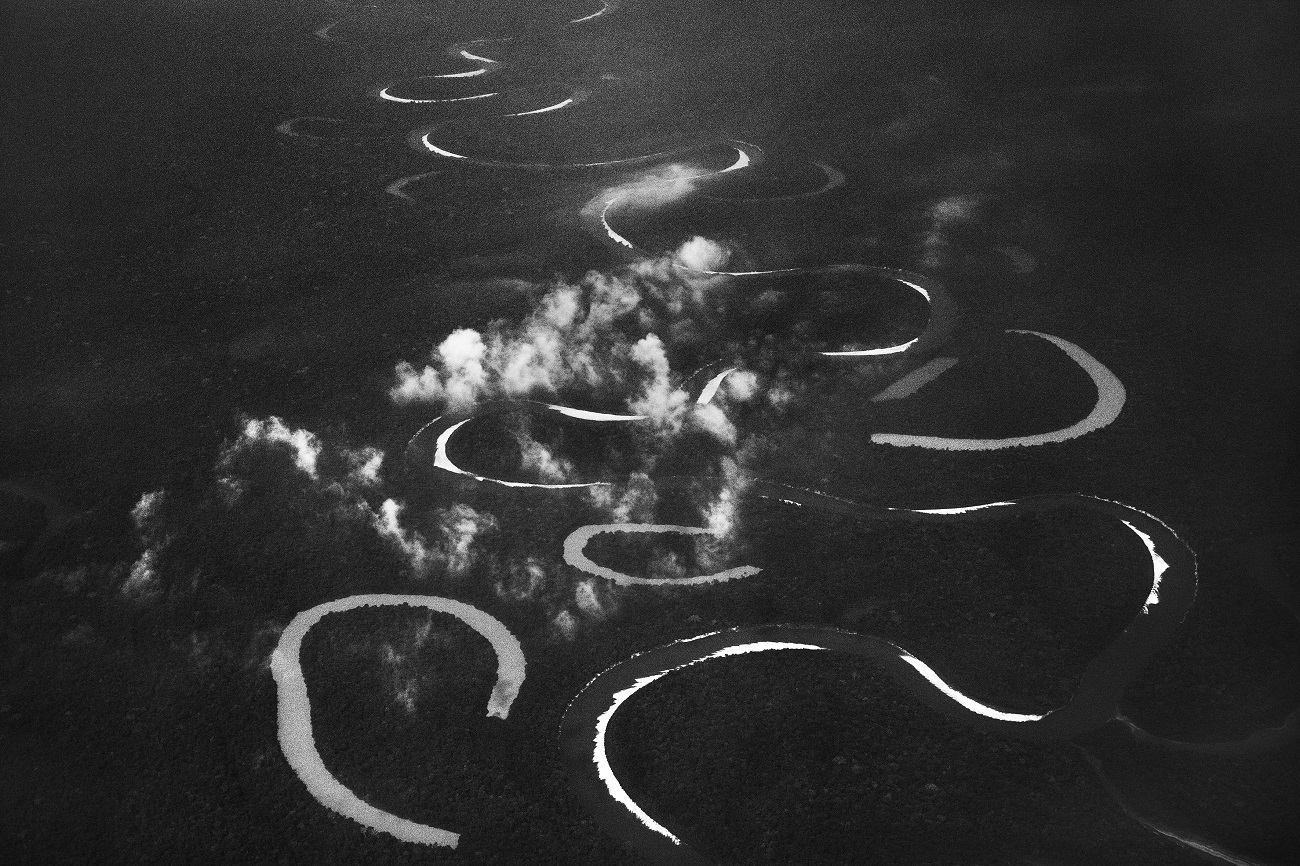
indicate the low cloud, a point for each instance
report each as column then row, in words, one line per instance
column 565, row 625
column 741, row 386
column 364, row 465
column 608, row 337
column 411, row 543
column 944, row 216
column 447, row 545
column 305, row 445
column 712, row 420
column 540, row 463
column 702, row 254
column 457, row 377
column 721, row 516
column 144, row 583
column 632, row 502
column 662, row 402
column 342, row 472
column 523, row 580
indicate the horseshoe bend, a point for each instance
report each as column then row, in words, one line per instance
column 636, row 431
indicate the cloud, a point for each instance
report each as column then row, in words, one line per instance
column 633, row 502
column 401, row 657
column 305, row 445
column 588, row 598
column 585, row 339
column 143, row 584
column 460, row 525
column 954, row 209
column 411, row 543
column 340, row 472
column 943, row 216
column 702, row 254
column 711, row 419
column 539, row 463
column 659, row 399
column 647, row 191
column 145, row 513
column 741, row 386
column 457, row 379
column 364, row 465
column 454, row 532
column 523, row 581
column 666, row 565
column 721, row 516
column 565, row 624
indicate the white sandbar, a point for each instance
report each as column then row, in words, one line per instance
column 1110, row 400
column 711, row 387
column 441, row 460
column 969, row 703
column 600, row 755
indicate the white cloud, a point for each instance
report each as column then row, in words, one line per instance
column 659, row 399
column 702, row 254
column 143, row 583
column 145, row 512
column 305, row 445
column 587, row 599
column 741, row 386
column 943, row 215
column 364, row 465
column 710, row 418
column 666, row 565
column 456, row 529
column 632, row 502
column 565, row 624
column 460, row 526
column 590, row 335
column 540, row 462
column 523, row 581
column 721, row 516
column 458, row 379
column 954, row 209
column 411, row 543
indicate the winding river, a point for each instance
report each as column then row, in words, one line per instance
column 476, row 84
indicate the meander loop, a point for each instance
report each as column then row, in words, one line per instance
column 294, row 706
column 1095, row 702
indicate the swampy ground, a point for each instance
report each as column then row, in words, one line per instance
column 172, row 266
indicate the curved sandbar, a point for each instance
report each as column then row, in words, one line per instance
column 833, row 178
column 299, row 745
column 895, row 349
column 1110, row 400
column 605, row 7
column 465, row 51
column 383, row 93
column 290, row 127
column 710, row 389
column 423, row 141
column 444, row 427
column 398, row 187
